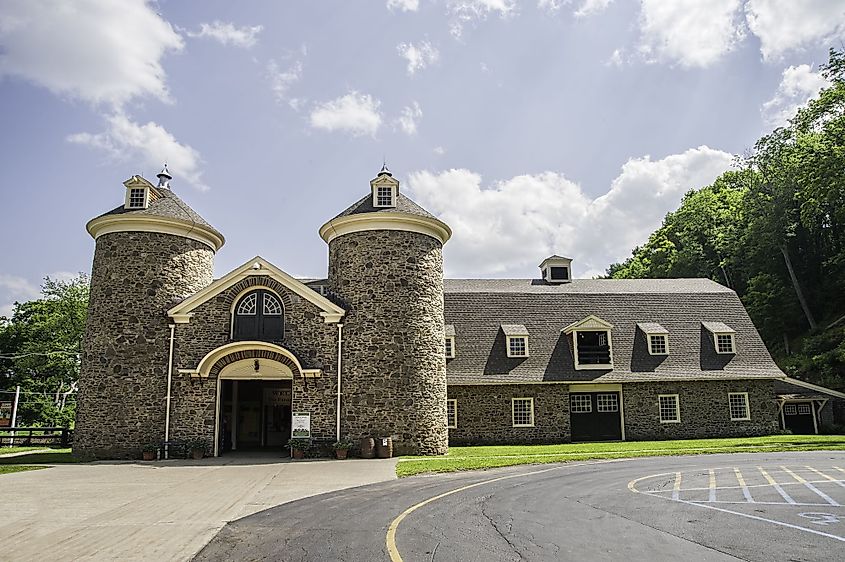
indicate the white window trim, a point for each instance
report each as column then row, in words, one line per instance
column 392, row 196
column 716, row 343
column 513, row 411
column 455, row 407
column 242, row 294
column 677, row 408
column 666, row 339
column 747, row 406
column 451, row 353
column 603, row 366
column 146, row 198
column 508, row 345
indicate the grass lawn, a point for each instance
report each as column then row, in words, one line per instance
column 7, row 450
column 472, row 458
column 18, row 468
column 53, row 456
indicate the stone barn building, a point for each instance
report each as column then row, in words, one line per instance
column 385, row 346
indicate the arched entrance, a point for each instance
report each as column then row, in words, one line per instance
column 254, row 395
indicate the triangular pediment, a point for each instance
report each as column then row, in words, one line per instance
column 257, row 266
column 138, row 181
column 384, row 180
column 589, row 323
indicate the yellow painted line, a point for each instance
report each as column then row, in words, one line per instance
column 823, row 475
column 839, row 469
column 775, row 485
column 797, row 478
column 712, row 485
column 745, row 491
column 676, row 490
column 390, row 540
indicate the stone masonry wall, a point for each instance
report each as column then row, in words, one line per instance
column 703, row 408
column 394, row 367
column 305, row 334
column 484, row 414
column 136, row 277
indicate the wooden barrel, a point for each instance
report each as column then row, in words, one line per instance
column 367, row 447
column 384, row 447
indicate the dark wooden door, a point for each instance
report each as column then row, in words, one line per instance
column 259, row 315
column 798, row 418
column 595, row 416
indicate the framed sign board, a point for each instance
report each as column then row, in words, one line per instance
column 301, row 425
column 5, row 414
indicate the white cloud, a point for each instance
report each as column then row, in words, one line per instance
column 410, row 118
column 508, row 227
column 592, row 7
column 355, row 113
column 466, row 11
column 404, row 5
column 439, row 150
column 418, row 56
column 150, row 143
column 552, row 6
column 15, row 288
column 798, row 85
column 615, row 58
column 690, row 32
column 87, row 49
column 785, row 25
column 282, row 80
column 229, row 34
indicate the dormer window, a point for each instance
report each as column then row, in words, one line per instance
column 450, row 341
column 657, row 337
column 516, row 340
column 723, row 337
column 138, row 193
column 591, row 343
column 556, row 269
column 385, row 189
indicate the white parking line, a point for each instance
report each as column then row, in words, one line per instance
column 676, row 490
column 745, row 491
column 776, row 486
column 823, row 475
column 801, row 480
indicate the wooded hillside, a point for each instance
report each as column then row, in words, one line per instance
column 773, row 230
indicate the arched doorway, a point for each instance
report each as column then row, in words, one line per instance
column 258, row 315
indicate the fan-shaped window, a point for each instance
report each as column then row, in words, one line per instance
column 259, row 315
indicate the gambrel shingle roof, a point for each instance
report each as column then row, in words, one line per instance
column 478, row 308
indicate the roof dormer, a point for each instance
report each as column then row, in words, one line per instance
column 556, row 269
column 138, row 193
column 385, row 189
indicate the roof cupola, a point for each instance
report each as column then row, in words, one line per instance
column 164, row 177
column 556, row 269
column 385, row 189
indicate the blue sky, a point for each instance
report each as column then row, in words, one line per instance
column 531, row 128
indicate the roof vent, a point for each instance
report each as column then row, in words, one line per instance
column 164, row 177
column 556, row 269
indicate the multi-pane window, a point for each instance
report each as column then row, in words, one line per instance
column 607, row 402
column 657, row 344
column 272, row 306
column 523, row 412
column 789, row 410
column 725, row 343
column 517, row 346
column 580, row 404
column 137, row 196
column 450, row 347
column 738, row 402
column 384, row 196
column 248, row 305
column 669, row 411
column 804, row 410
column 451, row 413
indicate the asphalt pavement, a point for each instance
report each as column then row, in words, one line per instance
column 772, row 506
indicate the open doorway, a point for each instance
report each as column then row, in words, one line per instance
column 254, row 414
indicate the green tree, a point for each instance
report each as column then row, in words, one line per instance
column 40, row 348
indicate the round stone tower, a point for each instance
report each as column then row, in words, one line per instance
column 386, row 266
column 151, row 252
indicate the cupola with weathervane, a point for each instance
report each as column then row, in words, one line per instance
column 556, row 269
column 385, row 189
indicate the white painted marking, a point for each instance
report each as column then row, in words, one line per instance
column 801, row 480
column 712, row 486
column 799, row 504
column 820, row 518
column 745, row 491
column 676, row 490
column 829, row 478
column 774, row 521
column 776, row 486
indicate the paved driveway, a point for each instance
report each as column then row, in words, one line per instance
column 165, row 510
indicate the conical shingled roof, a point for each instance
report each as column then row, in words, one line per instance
column 167, row 204
column 403, row 205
